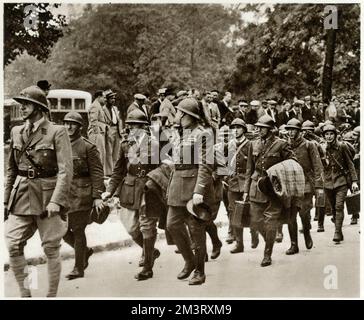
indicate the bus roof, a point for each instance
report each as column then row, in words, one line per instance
column 56, row 93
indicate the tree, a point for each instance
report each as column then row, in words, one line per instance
column 36, row 42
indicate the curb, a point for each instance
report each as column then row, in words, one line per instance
column 99, row 248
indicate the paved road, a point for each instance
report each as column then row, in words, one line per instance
column 110, row 274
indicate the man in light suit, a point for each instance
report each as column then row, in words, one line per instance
column 39, row 175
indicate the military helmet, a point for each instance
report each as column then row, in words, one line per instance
column 136, row 116
column 239, row 122
column 308, row 125
column 265, row 121
column 357, row 129
column 73, row 116
column 348, row 136
column 35, row 95
column 329, row 127
column 190, row 107
column 294, row 124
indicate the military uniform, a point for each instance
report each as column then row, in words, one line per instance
column 265, row 211
column 339, row 171
column 39, row 172
column 87, row 185
column 308, row 157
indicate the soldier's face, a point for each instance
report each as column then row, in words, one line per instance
column 330, row 136
column 238, row 131
column 293, row 133
column 263, row 132
column 27, row 110
column 72, row 128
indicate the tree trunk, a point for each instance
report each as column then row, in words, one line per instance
column 328, row 65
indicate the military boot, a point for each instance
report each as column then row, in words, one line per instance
column 199, row 274
column 149, row 257
column 269, row 243
column 279, row 236
column 338, row 235
column 255, row 238
column 292, row 229
column 211, row 229
column 239, row 246
column 74, row 274
column 18, row 266
column 306, row 231
column 321, row 220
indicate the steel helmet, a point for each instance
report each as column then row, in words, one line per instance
column 357, row 129
column 265, row 121
column 35, row 95
column 239, row 122
column 329, row 127
column 73, row 116
column 308, row 125
column 136, row 116
column 190, row 107
column 348, row 136
column 294, row 124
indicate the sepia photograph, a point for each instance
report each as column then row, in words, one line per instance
column 181, row 150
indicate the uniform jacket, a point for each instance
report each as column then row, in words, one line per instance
column 88, row 175
column 129, row 176
column 108, row 118
column 198, row 178
column 237, row 164
column 309, row 158
column 97, row 120
column 49, row 148
column 339, row 172
column 260, row 158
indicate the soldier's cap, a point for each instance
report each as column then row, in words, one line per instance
column 242, row 103
column 299, row 102
column 329, row 127
column 265, row 121
column 272, row 102
column 201, row 211
column 33, row 94
column 255, row 103
column 308, row 125
column 44, row 84
column 139, row 96
column 162, row 91
column 328, row 122
column 189, row 106
column 181, row 93
column 294, row 124
column 73, row 116
column 282, row 128
column 238, row 123
column 136, row 116
column 109, row 94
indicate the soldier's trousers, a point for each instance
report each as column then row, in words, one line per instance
column 225, row 199
column 265, row 216
column 76, row 237
column 304, row 213
column 177, row 218
column 148, row 226
column 112, row 146
column 19, row 229
column 336, row 197
column 130, row 220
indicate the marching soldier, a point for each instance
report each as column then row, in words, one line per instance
column 86, row 189
column 265, row 211
column 191, row 179
column 340, row 175
column 239, row 148
column 39, row 176
column 308, row 157
column 131, row 169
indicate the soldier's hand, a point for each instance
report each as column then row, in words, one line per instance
column 53, row 209
column 106, row 195
column 354, row 187
column 197, row 199
column 98, row 204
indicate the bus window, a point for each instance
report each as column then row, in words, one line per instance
column 80, row 104
column 53, row 103
column 66, row 104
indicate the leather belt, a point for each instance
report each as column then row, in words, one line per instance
column 140, row 171
column 33, row 174
column 185, row 166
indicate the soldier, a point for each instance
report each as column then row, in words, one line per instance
column 113, row 132
column 308, row 157
column 265, row 211
column 237, row 164
column 192, row 173
column 87, row 187
column 131, row 169
column 39, row 176
column 339, row 176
